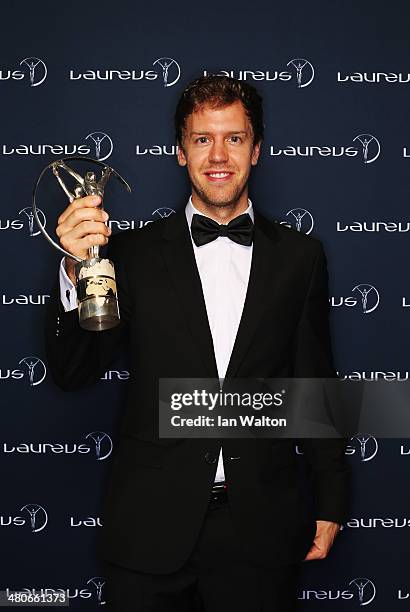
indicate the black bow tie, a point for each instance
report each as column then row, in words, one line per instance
column 204, row 229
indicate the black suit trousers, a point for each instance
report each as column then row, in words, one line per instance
column 216, row 578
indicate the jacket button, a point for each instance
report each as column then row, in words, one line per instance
column 210, row 458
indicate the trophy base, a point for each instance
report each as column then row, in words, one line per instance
column 96, row 317
column 97, row 294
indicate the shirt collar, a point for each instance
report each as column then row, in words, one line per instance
column 190, row 210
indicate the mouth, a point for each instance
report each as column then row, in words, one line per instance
column 220, row 176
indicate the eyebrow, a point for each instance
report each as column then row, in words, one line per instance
column 208, row 133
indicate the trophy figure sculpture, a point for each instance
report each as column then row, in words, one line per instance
column 96, row 287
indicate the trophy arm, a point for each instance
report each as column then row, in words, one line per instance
column 60, row 164
column 105, row 175
column 121, row 179
column 105, row 168
column 118, row 177
column 37, row 218
column 79, row 190
column 68, row 193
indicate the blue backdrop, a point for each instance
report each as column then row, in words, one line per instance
column 335, row 80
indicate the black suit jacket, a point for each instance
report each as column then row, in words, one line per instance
column 160, row 488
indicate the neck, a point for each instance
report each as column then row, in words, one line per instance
column 222, row 213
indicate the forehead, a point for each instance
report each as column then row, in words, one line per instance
column 206, row 118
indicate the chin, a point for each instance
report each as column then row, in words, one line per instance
column 222, row 202
column 222, row 199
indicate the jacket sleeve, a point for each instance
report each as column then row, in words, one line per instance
column 77, row 357
column 313, row 359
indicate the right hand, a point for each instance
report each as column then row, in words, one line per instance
column 80, row 226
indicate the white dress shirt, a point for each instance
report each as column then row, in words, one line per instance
column 224, row 268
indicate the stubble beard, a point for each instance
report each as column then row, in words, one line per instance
column 229, row 202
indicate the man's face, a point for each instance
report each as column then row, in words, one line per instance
column 218, row 151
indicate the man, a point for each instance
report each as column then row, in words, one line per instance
column 219, row 523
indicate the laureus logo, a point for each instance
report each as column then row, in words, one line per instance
column 370, row 147
column 367, row 147
column 300, row 68
column 38, row 517
column 305, row 73
column 163, row 212
column 366, row 296
column 28, row 213
column 98, row 583
column 369, row 304
column 37, row 70
column 366, row 590
column 167, row 69
column 301, row 219
column 103, row 444
column 36, row 370
column 170, row 68
column 103, row 145
column 368, row 446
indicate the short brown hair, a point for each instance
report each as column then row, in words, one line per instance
column 218, row 91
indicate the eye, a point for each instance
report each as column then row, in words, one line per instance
column 202, row 139
column 235, row 139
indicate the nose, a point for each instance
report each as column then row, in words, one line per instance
column 218, row 153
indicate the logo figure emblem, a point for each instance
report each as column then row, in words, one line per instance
column 33, row 509
column 98, row 582
column 32, row 363
column 32, row 63
column 299, row 64
column 28, row 211
column 98, row 138
column 299, row 214
column 166, row 63
column 363, row 584
column 365, row 453
column 98, row 437
column 163, row 212
column 366, row 140
column 364, row 290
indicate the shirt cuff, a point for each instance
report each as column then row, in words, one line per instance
column 68, row 293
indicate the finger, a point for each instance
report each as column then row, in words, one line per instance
column 324, row 541
column 93, row 240
column 70, row 238
column 81, row 245
column 87, row 227
column 310, row 553
column 79, row 215
column 315, row 553
column 87, row 201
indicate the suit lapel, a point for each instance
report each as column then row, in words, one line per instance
column 260, row 290
column 180, row 260
column 179, row 257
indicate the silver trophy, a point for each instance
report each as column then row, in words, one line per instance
column 96, row 287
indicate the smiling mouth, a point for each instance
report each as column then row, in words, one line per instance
column 218, row 176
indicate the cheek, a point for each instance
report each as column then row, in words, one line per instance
column 242, row 156
column 197, row 162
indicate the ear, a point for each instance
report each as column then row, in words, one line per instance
column 181, row 155
column 255, row 153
